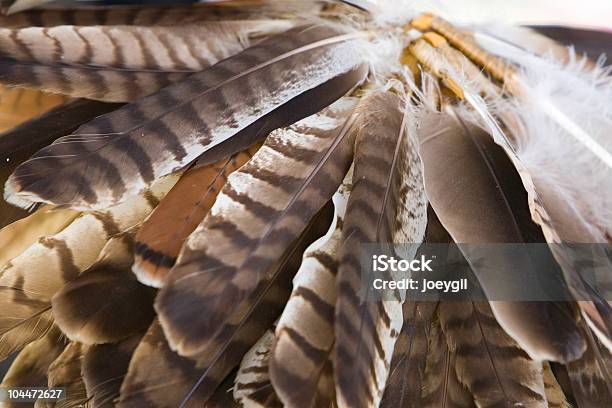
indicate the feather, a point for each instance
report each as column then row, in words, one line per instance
column 18, row 236
column 191, row 117
column 104, row 368
column 194, row 383
column 183, row 48
column 223, row 396
column 482, row 204
column 262, row 209
column 407, row 370
column 366, row 329
column 488, row 362
column 300, row 364
column 20, row 143
column 19, row 105
column 591, row 375
column 161, row 237
column 65, row 372
column 25, row 292
column 87, row 309
column 441, row 386
column 162, row 381
column 100, row 84
column 252, row 387
column 30, row 367
column 554, row 393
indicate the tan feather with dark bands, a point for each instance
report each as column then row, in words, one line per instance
column 107, row 160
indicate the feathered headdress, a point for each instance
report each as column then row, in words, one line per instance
column 206, row 180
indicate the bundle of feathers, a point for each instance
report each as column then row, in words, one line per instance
column 183, row 227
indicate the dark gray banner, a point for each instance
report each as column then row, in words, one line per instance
column 505, row 272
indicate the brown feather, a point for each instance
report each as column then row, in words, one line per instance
column 104, row 368
column 65, row 372
column 105, row 303
column 30, row 367
column 161, row 237
column 480, row 204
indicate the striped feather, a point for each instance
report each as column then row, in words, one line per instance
column 407, row 370
column 191, row 117
column 104, row 367
column 65, row 372
column 485, row 203
column 161, row 237
column 162, row 381
column 488, row 361
column 18, row 144
column 262, row 209
column 105, row 303
column 183, row 48
column 25, row 292
column 300, row 364
column 190, row 387
column 100, row 84
column 441, row 386
column 252, row 387
column 366, row 330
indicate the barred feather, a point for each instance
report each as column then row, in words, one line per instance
column 252, row 387
column 300, row 364
column 263, row 208
column 25, row 293
column 189, row 118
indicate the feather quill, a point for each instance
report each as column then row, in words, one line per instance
column 262, row 209
column 366, row 330
column 161, row 237
column 252, row 387
column 105, row 303
column 545, row 330
column 191, row 117
column 300, row 364
column 25, row 292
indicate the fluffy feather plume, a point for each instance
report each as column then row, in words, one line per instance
column 300, row 364
column 161, row 237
